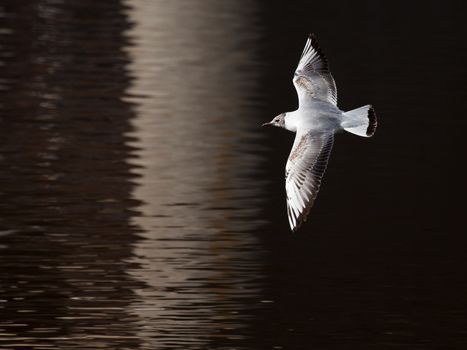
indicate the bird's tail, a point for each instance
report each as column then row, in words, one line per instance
column 360, row 121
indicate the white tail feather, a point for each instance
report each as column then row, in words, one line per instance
column 360, row 121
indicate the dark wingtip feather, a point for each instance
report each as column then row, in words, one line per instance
column 372, row 122
column 303, row 216
column 314, row 43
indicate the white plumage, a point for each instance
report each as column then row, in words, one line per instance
column 315, row 122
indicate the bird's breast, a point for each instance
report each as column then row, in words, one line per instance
column 319, row 120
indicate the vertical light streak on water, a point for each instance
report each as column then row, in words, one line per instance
column 194, row 66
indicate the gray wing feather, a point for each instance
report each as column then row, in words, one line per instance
column 304, row 170
column 312, row 78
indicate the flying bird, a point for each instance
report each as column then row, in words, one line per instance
column 315, row 122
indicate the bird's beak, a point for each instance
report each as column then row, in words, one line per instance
column 267, row 124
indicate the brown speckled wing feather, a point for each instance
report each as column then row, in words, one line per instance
column 304, row 171
column 312, row 78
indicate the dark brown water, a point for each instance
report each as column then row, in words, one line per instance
column 142, row 207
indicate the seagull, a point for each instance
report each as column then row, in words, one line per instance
column 315, row 122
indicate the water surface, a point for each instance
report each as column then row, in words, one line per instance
column 142, row 207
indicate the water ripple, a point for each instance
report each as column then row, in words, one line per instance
column 129, row 210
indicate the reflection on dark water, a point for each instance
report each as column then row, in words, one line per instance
column 142, row 207
column 194, row 89
column 126, row 198
column 66, row 184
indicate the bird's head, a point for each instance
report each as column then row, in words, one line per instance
column 278, row 121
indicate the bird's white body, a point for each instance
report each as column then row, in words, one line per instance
column 315, row 117
column 315, row 123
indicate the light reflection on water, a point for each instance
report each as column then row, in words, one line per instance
column 128, row 206
column 194, row 92
column 134, row 210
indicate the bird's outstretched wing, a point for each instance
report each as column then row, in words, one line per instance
column 304, row 170
column 312, row 78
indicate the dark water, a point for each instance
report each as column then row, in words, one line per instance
column 143, row 208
